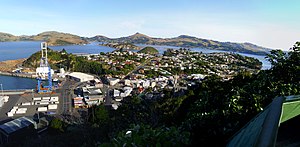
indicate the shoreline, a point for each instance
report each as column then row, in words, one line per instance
column 22, row 75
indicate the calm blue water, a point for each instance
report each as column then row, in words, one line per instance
column 23, row 49
column 9, row 82
column 92, row 48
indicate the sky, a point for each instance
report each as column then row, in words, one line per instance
column 268, row 23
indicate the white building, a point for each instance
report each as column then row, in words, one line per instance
column 113, row 81
column 80, row 77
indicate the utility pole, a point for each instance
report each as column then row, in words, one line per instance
column 2, row 90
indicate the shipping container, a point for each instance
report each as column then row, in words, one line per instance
column 51, row 107
column 9, row 114
column 44, row 103
column 46, row 98
column 26, row 104
column 54, row 98
column 42, row 109
column 20, row 111
column 37, row 98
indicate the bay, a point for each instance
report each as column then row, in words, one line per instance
column 23, row 49
column 9, row 82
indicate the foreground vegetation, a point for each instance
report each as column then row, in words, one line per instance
column 206, row 115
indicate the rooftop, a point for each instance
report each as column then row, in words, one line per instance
column 16, row 124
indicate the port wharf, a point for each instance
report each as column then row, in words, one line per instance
column 23, row 75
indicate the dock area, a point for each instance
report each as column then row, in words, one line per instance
column 23, row 75
column 27, row 103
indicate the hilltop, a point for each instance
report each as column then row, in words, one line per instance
column 149, row 50
column 53, row 38
column 187, row 42
column 8, row 37
column 55, row 59
column 58, row 38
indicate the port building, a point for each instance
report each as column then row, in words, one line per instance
column 80, row 77
column 17, row 129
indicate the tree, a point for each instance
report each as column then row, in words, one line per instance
column 99, row 115
column 276, row 57
column 57, row 125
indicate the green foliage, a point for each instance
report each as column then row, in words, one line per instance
column 55, row 59
column 223, row 107
column 149, row 50
column 62, row 42
column 143, row 135
column 83, row 65
column 57, row 125
column 99, row 115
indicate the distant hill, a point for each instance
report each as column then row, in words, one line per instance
column 58, row 38
column 52, row 38
column 187, row 42
column 8, row 37
column 149, row 50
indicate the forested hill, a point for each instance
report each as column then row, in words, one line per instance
column 187, row 42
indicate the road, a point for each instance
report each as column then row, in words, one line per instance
column 66, row 96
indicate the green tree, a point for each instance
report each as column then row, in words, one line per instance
column 57, row 125
column 99, row 115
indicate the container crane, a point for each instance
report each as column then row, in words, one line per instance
column 44, row 72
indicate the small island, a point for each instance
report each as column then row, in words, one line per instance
column 149, row 50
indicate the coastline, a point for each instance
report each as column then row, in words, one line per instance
column 22, row 75
column 7, row 67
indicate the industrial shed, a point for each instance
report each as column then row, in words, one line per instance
column 17, row 129
column 80, row 77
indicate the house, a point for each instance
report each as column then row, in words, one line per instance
column 116, row 93
column 113, row 81
column 97, row 83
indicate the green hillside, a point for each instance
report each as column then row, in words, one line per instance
column 55, row 59
column 149, row 50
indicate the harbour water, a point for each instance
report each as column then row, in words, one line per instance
column 23, row 49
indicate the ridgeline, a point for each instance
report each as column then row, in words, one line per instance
column 57, row 38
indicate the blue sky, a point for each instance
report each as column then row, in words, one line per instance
column 269, row 23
